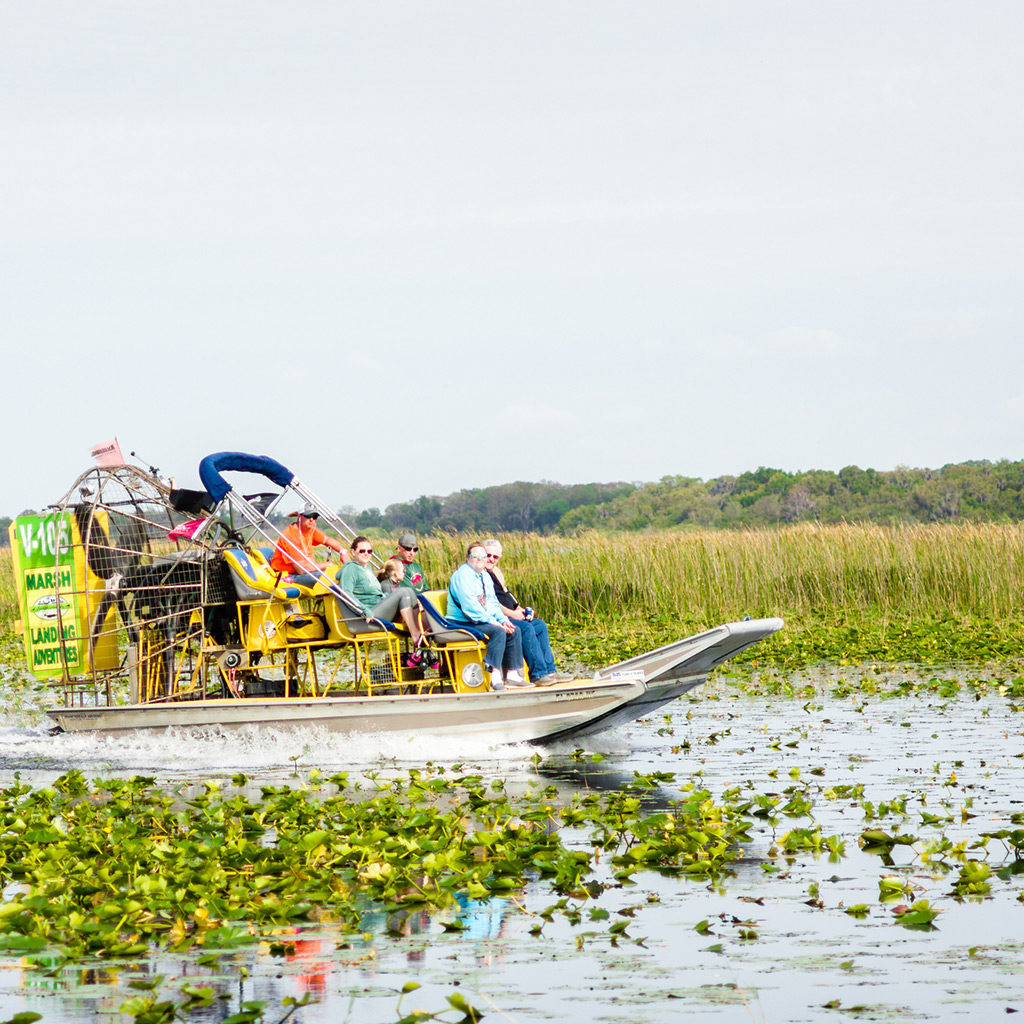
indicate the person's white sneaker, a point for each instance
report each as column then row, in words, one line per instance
column 496, row 683
column 515, row 678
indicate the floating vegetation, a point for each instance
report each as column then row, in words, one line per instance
column 150, row 1009
column 112, row 866
column 920, row 914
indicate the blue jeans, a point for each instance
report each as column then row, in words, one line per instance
column 504, row 650
column 536, row 647
column 306, row 579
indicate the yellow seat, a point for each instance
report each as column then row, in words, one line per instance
column 347, row 623
column 461, row 646
column 253, row 578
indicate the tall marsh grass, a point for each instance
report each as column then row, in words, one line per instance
column 8, row 597
column 799, row 572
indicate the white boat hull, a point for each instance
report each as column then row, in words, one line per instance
column 528, row 714
column 675, row 669
column 536, row 714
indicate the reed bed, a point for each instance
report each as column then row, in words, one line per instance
column 803, row 571
column 8, row 597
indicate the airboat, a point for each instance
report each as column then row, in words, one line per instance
column 148, row 606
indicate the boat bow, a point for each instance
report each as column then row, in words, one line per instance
column 696, row 655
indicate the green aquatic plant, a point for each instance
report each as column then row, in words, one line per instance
column 920, row 914
column 973, row 880
column 896, row 805
column 457, row 1003
column 810, row 840
column 875, row 840
column 196, row 999
column 891, row 887
column 112, row 866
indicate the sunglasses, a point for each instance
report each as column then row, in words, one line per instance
column 404, row 548
column 364, row 551
column 493, row 557
column 480, row 555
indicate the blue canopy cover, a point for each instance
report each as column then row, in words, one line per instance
column 211, row 468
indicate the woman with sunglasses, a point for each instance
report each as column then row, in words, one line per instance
column 533, row 631
column 471, row 602
column 358, row 579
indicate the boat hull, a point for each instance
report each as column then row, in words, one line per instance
column 538, row 714
column 675, row 669
column 531, row 714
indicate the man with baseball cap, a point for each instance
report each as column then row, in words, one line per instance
column 408, row 549
column 293, row 554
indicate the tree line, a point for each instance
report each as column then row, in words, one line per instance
column 975, row 491
column 507, row 508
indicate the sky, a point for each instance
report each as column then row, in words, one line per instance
column 412, row 247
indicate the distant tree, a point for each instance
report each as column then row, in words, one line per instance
column 519, row 506
column 369, row 518
column 949, row 503
column 798, row 504
column 767, row 509
column 855, row 479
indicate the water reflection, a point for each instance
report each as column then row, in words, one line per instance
column 585, row 776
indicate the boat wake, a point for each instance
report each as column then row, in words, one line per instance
column 187, row 754
column 213, row 752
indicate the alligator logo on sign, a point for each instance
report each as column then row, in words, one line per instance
column 51, row 606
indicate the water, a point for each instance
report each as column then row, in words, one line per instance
column 768, row 953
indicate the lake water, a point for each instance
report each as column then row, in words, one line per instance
column 770, row 950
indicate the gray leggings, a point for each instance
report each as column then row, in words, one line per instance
column 400, row 597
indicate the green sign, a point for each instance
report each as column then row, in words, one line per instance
column 50, row 593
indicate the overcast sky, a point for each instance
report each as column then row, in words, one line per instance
column 413, row 247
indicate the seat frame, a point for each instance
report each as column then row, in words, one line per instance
column 460, row 646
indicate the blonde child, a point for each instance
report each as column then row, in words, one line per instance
column 391, row 574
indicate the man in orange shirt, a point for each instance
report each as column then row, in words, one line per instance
column 293, row 554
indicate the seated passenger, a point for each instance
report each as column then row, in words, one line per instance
column 471, row 602
column 293, row 553
column 391, row 574
column 357, row 578
column 536, row 646
column 406, row 554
